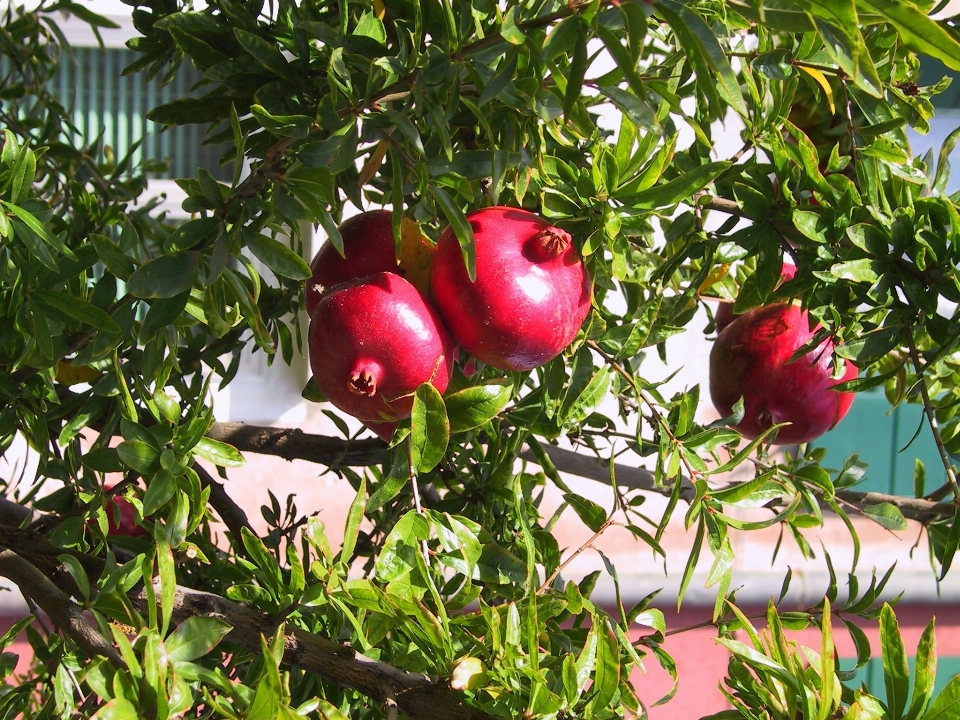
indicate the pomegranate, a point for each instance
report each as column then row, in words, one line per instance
column 368, row 248
column 750, row 359
column 373, row 341
column 725, row 314
column 128, row 519
column 531, row 295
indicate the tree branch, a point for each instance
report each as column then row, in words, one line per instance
column 62, row 611
column 415, row 694
column 292, row 444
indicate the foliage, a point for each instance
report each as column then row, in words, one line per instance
column 115, row 322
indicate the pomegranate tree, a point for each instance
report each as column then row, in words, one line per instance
column 127, row 525
column 373, row 341
column 751, row 359
column 531, row 292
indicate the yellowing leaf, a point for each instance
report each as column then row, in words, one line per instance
column 416, row 254
column 373, row 163
column 379, row 9
column 469, row 674
column 715, row 276
column 68, row 374
column 822, row 82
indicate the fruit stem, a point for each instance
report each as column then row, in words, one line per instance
column 552, row 242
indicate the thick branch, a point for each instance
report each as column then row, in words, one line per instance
column 293, row 444
column 415, row 694
column 62, row 611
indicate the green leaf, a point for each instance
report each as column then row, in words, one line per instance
column 925, row 672
column 678, row 190
column 194, row 638
column 117, row 709
column 277, row 256
column 165, row 276
column 896, row 676
column 78, row 574
column 593, row 516
column 863, row 270
column 219, row 453
column 292, row 126
column 111, row 255
column 78, row 309
column 354, row 518
column 461, row 228
column 946, row 705
column 161, row 488
column 919, row 32
column 606, row 679
column 472, row 407
column 39, row 228
column 139, row 455
column 699, row 41
column 266, row 54
column 429, row 429
column 887, row 515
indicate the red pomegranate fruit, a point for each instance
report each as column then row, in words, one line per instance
column 383, row 430
column 373, row 341
column 368, row 248
column 750, row 359
column 531, row 295
column 725, row 315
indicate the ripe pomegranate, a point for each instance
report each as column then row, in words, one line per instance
column 750, row 359
column 128, row 519
column 725, row 314
column 383, row 430
column 531, row 295
column 368, row 248
column 373, row 341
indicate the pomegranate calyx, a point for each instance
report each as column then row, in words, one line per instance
column 552, row 242
column 362, row 382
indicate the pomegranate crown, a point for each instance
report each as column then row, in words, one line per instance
column 552, row 242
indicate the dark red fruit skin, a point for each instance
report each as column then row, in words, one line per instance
column 750, row 359
column 527, row 303
column 725, row 315
column 383, row 430
column 128, row 519
column 373, row 341
column 368, row 248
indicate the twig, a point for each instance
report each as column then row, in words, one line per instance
column 232, row 514
column 593, row 345
column 576, row 553
column 62, row 611
column 931, row 418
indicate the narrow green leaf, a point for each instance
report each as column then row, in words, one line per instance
column 896, row 676
column 925, row 672
column 593, row 516
column 266, row 54
column 277, row 256
column 678, row 190
column 78, row 309
column 138, row 455
column 194, row 638
column 219, row 453
column 165, row 276
column 429, row 429
column 354, row 517
column 946, row 705
column 461, row 228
